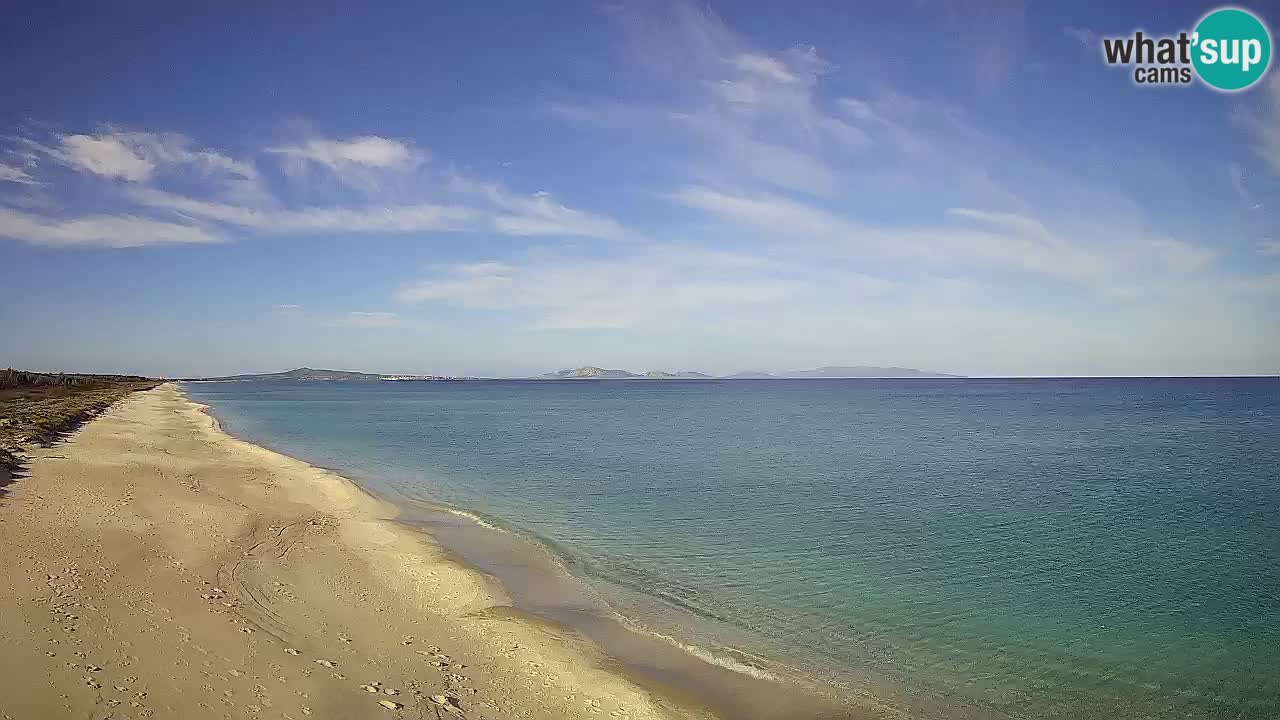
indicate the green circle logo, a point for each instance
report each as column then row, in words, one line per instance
column 1232, row 49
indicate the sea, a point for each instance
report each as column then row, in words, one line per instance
column 985, row 548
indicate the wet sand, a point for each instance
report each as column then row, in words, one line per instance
column 540, row 590
column 156, row 567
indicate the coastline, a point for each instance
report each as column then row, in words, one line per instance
column 531, row 586
column 160, row 566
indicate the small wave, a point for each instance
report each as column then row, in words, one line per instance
column 473, row 517
column 719, row 659
column 728, row 663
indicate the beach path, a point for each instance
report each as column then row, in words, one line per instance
column 154, row 566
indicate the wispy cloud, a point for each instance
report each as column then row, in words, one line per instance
column 762, row 188
column 370, row 319
column 1236, row 174
column 1262, row 119
column 765, row 66
column 787, row 164
column 368, row 219
column 740, row 115
column 990, row 239
column 753, row 114
column 15, row 174
column 540, row 214
column 370, row 151
column 221, row 191
column 536, row 214
column 136, row 156
column 116, row 231
column 658, row 286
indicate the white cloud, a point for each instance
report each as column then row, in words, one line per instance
column 663, row 285
column 766, row 66
column 981, row 240
column 368, row 151
column 286, row 306
column 754, row 113
column 767, row 212
column 370, row 319
column 1236, row 175
column 538, row 214
column 137, row 156
column 105, row 156
column 15, row 174
column 230, row 192
column 1011, row 222
column 115, row 231
column 374, row 165
column 371, row 219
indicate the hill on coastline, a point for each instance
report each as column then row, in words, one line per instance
column 588, row 373
column 681, row 375
column 303, row 373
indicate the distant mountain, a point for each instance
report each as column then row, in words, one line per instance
column 298, row 374
column 589, row 373
column 830, row 371
column 863, row 371
column 681, row 375
column 594, row 373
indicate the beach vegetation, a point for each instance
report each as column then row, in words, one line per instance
column 40, row 408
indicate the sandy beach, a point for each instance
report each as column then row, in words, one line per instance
column 156, row 566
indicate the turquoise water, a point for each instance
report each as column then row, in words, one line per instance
column 1029, row 548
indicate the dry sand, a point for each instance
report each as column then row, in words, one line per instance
column 156, row 567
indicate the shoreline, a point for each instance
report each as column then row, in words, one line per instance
column 538, row 589
column 164, row 567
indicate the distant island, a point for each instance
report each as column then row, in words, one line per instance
column 313, row 374
column 588, row 372
column 303, row 373
column 829, row 371
column 595, row 373
column 865, row 371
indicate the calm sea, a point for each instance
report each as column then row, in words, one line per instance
column 1030, row 548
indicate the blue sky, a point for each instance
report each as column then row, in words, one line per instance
column 512, row 188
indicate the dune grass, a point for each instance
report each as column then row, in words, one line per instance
column 39, row 408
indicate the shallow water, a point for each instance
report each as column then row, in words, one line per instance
column 1022, row 548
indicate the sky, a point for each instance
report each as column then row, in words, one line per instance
column 512, row 188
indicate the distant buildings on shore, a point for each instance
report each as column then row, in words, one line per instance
column 424, row 377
